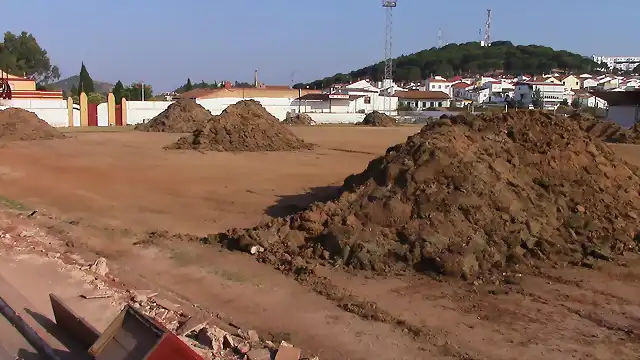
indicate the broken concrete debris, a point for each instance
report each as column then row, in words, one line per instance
column 209, row 341
column 100, row 267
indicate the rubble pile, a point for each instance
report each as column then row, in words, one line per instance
column 298, row 119
column 208, row 340
column 183, row 116
column 476, row 197
column 17, row 124
column 244, row 126
column 376, row 118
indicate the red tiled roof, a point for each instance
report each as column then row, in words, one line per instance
column 423, row 95
column 461, row 85
column 432, row 80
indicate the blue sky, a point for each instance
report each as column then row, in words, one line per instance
column 165, row 41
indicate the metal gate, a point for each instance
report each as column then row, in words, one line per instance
column 92, row 112
column 118, row 115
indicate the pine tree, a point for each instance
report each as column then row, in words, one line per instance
column 85, row 84
column 188, row 86
column 118, row 92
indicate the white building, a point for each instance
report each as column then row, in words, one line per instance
column 499, row 91
column 439, row 84
column 626, row 63
column 424, row 100
column 589, row 83
column 552, row 94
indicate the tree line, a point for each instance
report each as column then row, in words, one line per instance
column 470, row 59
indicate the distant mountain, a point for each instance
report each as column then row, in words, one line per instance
column 469, row 59
column 68, row 83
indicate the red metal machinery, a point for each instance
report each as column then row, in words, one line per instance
column 5, row 88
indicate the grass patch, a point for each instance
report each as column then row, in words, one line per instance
column 7, row 203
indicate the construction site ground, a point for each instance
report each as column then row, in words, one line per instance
column 97, row 192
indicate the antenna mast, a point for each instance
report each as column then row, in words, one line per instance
column 387, row 82
column 487, row 29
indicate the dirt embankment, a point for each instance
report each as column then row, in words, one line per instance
column 299, row 119
column 244, row 126
column 471, row 197
column 19, row 124
column 183, row 116
column 377, row 118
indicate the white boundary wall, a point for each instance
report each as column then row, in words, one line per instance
column 52, row 111
column 326, row 118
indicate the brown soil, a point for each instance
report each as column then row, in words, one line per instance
column 77, row 186
column 607, row 131
column 631, row 136
column 469, row 197
column 376, row 118
column 299, row 119
column 244, row 126
column 20, row 124
column 183, row 116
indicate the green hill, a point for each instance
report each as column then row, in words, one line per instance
column 470, row 59
column 68, row 83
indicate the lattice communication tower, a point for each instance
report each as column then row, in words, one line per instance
column 388, row 6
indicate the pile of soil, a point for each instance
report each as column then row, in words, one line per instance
column 472, row 197
column 299, row 119
column 376, row 118
column 607, row 131
column 244, row 126
column 631, row 136
column 183, row 116
column 20, row 124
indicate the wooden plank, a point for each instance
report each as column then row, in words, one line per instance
column 108, row 334
column 73, row 324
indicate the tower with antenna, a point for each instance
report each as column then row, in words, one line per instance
column 387, row 82
column 487, row 30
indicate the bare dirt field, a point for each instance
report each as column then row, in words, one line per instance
column 100, row 191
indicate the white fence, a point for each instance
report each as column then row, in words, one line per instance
column 331, row 118
column 55, row 111
column 142, row 111
column 52, row 111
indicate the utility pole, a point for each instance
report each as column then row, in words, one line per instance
column 142, row 89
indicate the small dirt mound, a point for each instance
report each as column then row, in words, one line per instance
column 20, row 124
column 299, row 119
column 377, row 118
column 244, row 126
column 607, row 131
column 471, row 197
column 183, row 116
column 631, row 136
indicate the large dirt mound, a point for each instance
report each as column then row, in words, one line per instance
column 183, row 116
column 299, row 119
column 20, row 124
column 470, row 197
column 376, row 118
column 244, row 126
